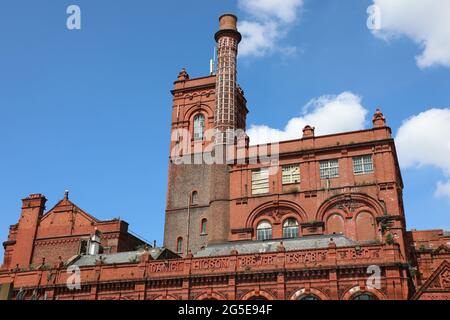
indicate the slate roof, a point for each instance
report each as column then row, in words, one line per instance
column 123, row 257
column 249, row 247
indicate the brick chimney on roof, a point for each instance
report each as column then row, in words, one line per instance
column 378, row 119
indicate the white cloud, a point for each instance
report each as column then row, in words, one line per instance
column 328, row 114
column 284, row 10
column 269, row 22
column 443, row 189
column 259, row 38
column 424, row 140
column 426, row 22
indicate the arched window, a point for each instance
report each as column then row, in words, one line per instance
column 203, row 226
column 264, row 230
column 309, row 297
column 364, row 296
column 199, row 127
column 194, row 198
column 290, row 228
column 180, row 245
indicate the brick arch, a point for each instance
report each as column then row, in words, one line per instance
column 292, row 210
column 339, row 203
column 195, row 109
column 210, row 296
column 357, row 290
column 304, row 292
column 257, row 293
column 165, row 297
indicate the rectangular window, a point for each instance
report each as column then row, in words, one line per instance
column 290, row 232
column 291, row 174
column 329, row 169
column 84, row 247
column 362, row 165
column 264, row 234
column 260, row 181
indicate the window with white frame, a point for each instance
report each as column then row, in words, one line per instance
column 329, row 169
column 290, row 228
column 264, row 231
column 362, row 165
column 260, row 181
column 199, row 127
column 290, row 174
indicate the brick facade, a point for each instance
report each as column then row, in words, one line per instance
column 56, row 236
column 344, row 208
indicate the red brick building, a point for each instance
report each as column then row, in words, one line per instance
column 320, row 217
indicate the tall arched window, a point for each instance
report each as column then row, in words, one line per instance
column 194, row 198
column 264, row 230
column 290, row 228
column 180, row 245
column 199, row 127
column 203, row 226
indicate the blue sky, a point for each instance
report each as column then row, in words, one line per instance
column 89, row 110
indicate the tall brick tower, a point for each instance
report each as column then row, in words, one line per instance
column 225, row 120
column 198, row 197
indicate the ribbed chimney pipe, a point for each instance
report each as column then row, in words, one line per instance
column 228, row 38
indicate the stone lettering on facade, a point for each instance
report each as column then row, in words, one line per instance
column 210, row 264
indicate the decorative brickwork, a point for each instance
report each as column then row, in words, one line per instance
column 322, row 233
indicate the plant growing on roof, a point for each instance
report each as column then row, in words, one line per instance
column 134, row 259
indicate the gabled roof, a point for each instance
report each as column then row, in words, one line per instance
column 442, row 249
column 439, row 281
column 64, row 205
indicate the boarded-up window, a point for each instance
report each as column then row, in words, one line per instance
column 260, row 181
column 335, row 224
column 365, row 227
